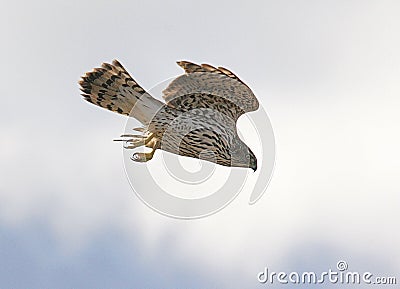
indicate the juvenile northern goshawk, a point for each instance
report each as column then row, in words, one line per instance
column 198, row 118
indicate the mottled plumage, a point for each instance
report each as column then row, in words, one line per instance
column 198, row 118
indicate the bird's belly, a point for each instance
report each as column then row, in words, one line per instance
column 203, row 134
column 199, row 142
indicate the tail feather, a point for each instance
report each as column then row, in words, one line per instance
column 112, row 87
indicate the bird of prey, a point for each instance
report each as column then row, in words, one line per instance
column 198, row 118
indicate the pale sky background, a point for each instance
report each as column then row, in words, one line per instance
column 327, row 73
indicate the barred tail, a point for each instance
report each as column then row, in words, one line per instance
column 112, row 87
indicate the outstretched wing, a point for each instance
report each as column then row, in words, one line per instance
column 205, row 86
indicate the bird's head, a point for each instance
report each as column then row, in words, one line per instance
column 242, row 156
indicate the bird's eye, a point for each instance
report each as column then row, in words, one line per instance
column 247, row 157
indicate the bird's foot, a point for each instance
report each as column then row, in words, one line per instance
column 142, row 157
column 132, row 141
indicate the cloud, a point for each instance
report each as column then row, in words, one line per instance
column 327, row 76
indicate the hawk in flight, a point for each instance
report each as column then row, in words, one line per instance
column 198, row 118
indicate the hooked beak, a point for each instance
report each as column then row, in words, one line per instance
column 254, row 167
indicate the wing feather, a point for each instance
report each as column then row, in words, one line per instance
column 205, row 86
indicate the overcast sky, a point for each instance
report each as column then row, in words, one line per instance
column 327, row 73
